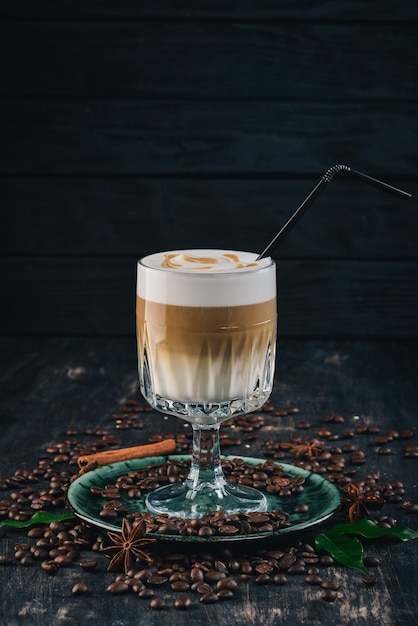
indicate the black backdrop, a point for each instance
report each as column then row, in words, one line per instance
column 130, row 127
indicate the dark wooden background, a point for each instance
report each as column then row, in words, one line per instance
column 132, row 127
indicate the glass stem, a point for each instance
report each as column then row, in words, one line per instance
column 206, row 470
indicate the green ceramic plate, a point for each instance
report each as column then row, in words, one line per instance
column 321, row 496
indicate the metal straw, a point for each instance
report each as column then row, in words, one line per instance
column 326, row 178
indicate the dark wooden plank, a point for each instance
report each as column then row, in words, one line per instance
column 269, row 9
column 239, row 60
column 316, row 298
column 80, row 382
column 128, row 215
column 178, row 137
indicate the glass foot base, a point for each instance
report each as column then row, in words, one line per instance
column 188, row 501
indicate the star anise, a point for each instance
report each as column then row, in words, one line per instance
column 358, row 502
column 307, row 449
column 127, row 546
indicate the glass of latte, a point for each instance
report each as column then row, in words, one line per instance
column 206, row 332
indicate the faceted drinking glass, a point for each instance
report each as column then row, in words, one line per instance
column 206, row 334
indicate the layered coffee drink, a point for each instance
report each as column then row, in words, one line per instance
column 206, row 332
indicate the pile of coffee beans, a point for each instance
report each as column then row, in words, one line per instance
column 215, row 524
column 205, row 572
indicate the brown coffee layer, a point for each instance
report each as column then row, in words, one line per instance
column 204, row 319
column 205, row 353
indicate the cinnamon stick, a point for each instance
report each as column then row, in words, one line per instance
column 88, row 462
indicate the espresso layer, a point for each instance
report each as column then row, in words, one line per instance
column 204, row 319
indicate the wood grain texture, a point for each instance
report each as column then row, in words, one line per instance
column 179, row 137
column 95, row 296
column 47, row 384
column 239, row 60
column 120, row 216
column 362, row 10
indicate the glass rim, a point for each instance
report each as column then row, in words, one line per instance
column 195, row 272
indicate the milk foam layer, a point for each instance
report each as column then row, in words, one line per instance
column 206, row 278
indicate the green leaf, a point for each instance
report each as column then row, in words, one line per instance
column 368, row 529
column 40, row 517
column 346, row 550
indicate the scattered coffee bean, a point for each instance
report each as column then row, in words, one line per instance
column 369, row 580
column 117, row 587
column 226, row 583
column 213, row 576
column 328, row 595
column 157, row 603
column 79, row 589
column 6, row 559
column 209, row 598
column 182, row 603
column 50, row 567
column 180, row 585
column 279, row 579
column 312, row 579
column 330, row 584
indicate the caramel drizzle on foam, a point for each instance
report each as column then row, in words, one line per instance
column 203, row 262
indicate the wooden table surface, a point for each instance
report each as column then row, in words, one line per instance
column 50, row 384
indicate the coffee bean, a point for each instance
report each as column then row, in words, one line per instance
column 297, row 568
column 117, row 587
column 226, row 583
column 264, row 568
column 312, row 579
column 245, row 578
column 328, row 595
column 228, row 530
column 180, row 585
column 301, row 508
column 411, row 452
column 262, row 579
column 79, row 589
column 146, row 593
column 371, row 561
column 383, row 450
column 209, row 598
column 369, row 580
column 157, row 604
column 88, row 565
column 156, row 581
column 182, row 603
column 330, row 584
column 286, row 561
column 406, row 434
column 50, row 567
column 246, row 568
column 279, row 579
column 63, row 560
column 203, row 588
column 36, row 532
column 196, row 575
column 5, row 559
column 214, row 576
